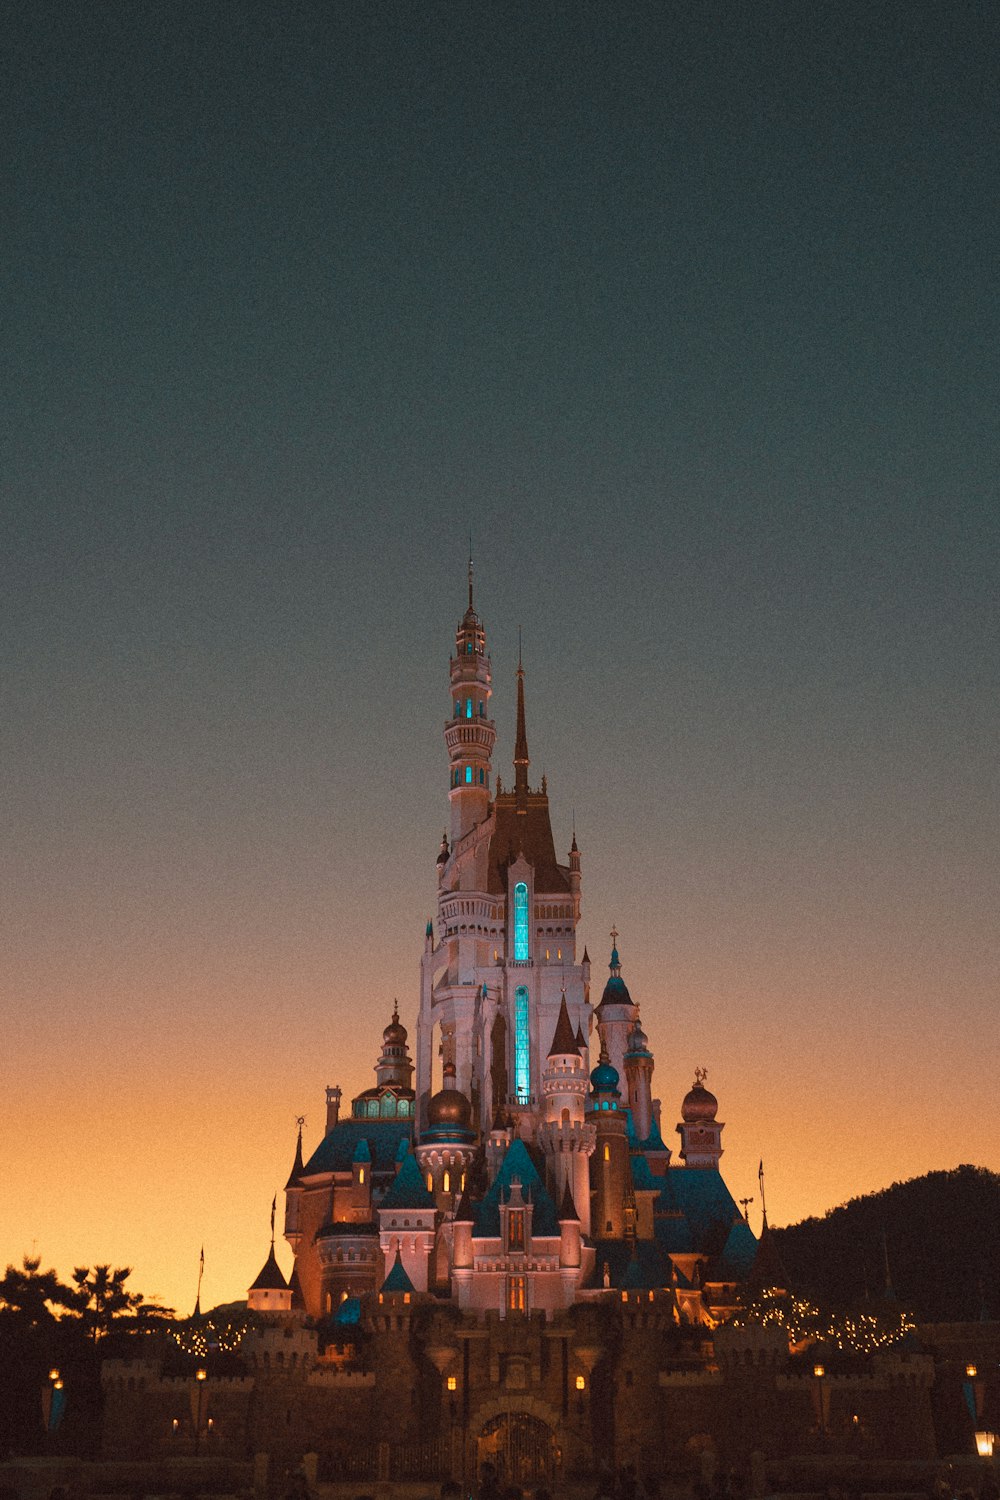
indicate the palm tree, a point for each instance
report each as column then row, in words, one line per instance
column 102, row 1296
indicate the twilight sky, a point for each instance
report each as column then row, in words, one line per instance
column 690, row 315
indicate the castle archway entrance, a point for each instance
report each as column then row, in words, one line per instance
column 521, row 1448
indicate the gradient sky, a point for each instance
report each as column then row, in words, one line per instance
column 690, row 315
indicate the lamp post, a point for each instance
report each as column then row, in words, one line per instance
column 200, row 1376
column 819, row 1375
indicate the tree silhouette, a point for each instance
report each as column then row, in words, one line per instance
column 33, row 1293
column 102, row 1297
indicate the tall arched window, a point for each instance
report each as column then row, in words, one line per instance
column 522, row 1046
column 521, row 949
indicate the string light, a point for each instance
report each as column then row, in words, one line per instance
column 857, row 1333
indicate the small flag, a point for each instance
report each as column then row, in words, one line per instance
column 274, row 1210
column 760, row 1171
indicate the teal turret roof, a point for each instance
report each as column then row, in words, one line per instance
column 409, row 1189
column 700, row 1194
column 516, row 1164
column 616, row 990
column 397, row 1279
column 642, row 1177
column 362, row 1151
column 738, row 1254
column 335, row 1152
column 641, row 1261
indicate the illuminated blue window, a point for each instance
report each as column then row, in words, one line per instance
column 458, row 709
column 522, row 1050
column 521, row 952
column 468, row 775
column 469, row 648
column 468, row 708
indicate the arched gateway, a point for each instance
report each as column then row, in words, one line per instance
column 522, row 1449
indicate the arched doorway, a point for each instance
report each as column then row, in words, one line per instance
column 521, row 1448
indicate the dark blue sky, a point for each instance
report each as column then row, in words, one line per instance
column 689, row 315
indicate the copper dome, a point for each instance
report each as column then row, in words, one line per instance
column 699, row 1104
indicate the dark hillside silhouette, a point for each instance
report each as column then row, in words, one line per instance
column 938, row 1234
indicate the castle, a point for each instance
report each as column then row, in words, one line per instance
column 497, row 1258
column 519, row 1179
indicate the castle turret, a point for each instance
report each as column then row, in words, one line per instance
column 448, row 1142
column 469, row 734
column 610, row 1164
column 616, row 1014
column 564, row 1135
column 699, row 1130
column 639, row 1077
column 293, row 1196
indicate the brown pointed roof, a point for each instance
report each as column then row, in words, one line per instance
column 564, row 1043
column 464, row 1213
column 269, row 1277
column 521, row 826
column 567, row 1208
column 521, row 761
column 767, row 1271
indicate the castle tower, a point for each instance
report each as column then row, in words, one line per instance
column 394, row 1067
column 469, row 733
column 505, row 931
column 564, row 1135
column 639, row 1077
column 447, row 1143
column 616, row 1014
column 293, row 1196
column 610, row 1171
column 699, row 1130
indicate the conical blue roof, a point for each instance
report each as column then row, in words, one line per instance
column 409, row 1189
column 397, row 1279
column 516, row 1164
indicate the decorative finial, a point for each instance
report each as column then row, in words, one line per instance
column 520, row 664
column 300, row 1120
column 615, row 964
column 700, row 1074
column 470, row 569
column 395, row 1012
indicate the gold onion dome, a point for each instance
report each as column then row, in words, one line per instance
column 395, row 1032
column 449, row 1106
column 699, row 1103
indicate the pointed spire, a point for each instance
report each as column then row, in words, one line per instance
column 296, row 1172
column 521, row 761
column 201, row 1272
column 567, row 1208
column 581, row 1040
column 615, row 964
column 464, row 1213
column 470, row 574
column 564, row 1043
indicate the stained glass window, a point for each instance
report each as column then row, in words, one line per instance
column 468, row 775
column 521, row 952
column 522, row 1049
column 468, row 708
